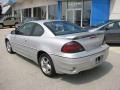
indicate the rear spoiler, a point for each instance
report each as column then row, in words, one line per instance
column 85, row 35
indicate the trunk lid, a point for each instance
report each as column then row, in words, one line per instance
column 89, row 40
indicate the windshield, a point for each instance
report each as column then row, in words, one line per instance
column 63, row 27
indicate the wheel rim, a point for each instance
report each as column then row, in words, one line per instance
column 8, row 46
column 45, row 65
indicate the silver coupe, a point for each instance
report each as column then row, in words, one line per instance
column 58, row 46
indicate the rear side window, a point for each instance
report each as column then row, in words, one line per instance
column 26, row 29
column 37, row 30
column 63, row 27
column 113, row 26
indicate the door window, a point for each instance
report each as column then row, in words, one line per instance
column 25, row 29
column 119, row 25
column 12, row 18
column 8, row 19
column 37, row 31
column 114, row 26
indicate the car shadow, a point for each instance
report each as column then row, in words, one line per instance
column 84, row 76
column 89, row 75
column 28, row 60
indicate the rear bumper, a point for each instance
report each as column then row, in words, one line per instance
column 64, row 65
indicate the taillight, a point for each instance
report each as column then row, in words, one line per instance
column 72, row 47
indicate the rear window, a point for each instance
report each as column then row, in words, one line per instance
column 63, row 27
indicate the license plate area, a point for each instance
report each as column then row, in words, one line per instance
column 99, row 59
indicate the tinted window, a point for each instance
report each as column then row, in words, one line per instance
column 38, row 30
column 12, row 18
column 8, row 18
column 63, row 27
column 26, row 29
column 115, row 26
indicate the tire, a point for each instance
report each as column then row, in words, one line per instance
column 46, row 65
column 9, row 47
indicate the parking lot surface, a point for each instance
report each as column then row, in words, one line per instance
column 18, row 73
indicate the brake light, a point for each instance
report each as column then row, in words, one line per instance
column 72, row 47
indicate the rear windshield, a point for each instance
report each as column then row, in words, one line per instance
column 63, row 27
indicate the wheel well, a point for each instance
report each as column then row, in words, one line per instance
column 40, row 53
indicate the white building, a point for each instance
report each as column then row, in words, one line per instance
column 115, row 9
column 82, row 12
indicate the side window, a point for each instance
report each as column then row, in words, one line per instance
column 12, row 18
column 110, row 26
column 119, row 25
column 7, row 18
column 26, row 29
column 114, row 26
column 38, row 30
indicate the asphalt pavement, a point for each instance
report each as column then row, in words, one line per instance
column 19, row 73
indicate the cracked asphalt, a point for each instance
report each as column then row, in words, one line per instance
column 19, row 73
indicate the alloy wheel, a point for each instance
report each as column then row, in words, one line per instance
column 46, row 65
column 8, row 46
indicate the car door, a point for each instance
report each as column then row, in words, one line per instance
column 22, row 34
column 113, row 32
column 34, row 41
column 7, row 21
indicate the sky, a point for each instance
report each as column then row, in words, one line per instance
column 3, row 1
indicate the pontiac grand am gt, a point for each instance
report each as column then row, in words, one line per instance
column 58, row 46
